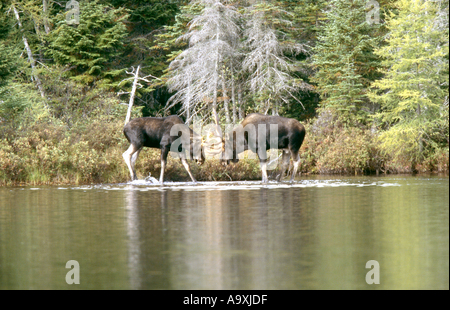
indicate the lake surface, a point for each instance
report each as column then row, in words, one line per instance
column 317, row 233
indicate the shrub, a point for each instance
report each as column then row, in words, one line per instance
column 337, row 149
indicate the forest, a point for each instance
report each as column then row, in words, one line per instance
column 368, row 79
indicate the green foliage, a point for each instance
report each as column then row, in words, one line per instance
column 394, row 119
column 340, row 150
column 7, row 50
column 147, row 15
column 12, row 101
column 146, row 21
column 416, row 74
column 44, row 151
column 70, row 101
column 7, row 65
column 308, row 15
column 414, row 90
column 167, row 42
column 417, row 146
column 344, row 60
column 91, row 49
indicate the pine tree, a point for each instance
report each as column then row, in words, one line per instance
column 308, row 16
column 145, row 25
column 148, row 15
column 91, row 48
column 414, row 91
column 345, row 62
column 7, row 64
column 13, row 94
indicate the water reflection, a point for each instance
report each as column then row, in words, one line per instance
column 280, row 238
column 134, row 252
column 317, row 234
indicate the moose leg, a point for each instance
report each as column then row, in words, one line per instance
column 164, row 153
column 285, row 160
column 263, row 163
column 134, row 158
column 127, row 156
column 186, row 166
column 296, row 159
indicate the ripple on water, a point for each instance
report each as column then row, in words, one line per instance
column 148, row 185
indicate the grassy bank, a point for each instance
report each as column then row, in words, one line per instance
column 91, row 152
column 78, row 139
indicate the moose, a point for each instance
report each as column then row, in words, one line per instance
column 161, row 133
column 250, row 133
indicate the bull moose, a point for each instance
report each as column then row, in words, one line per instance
column 157, row 132
column 289, row 138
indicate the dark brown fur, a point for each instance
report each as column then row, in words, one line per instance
column 290, row 138
column 154, row 132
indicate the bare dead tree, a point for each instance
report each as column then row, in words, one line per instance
column 197, row 71
column 136, row 85
column 269, row 71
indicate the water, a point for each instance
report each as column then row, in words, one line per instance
column 318, row 233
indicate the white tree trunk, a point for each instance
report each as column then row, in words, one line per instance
column 233, row 98
column 188, row 103
column 240, row 103
column 216, row 83
column 132, row 94
column 30, row 56
column 226, row 101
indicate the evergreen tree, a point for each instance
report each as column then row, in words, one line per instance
column 345, row 62
column 147, row 15
column 90, row 49
column 308, row 16
column 145, row 24
column 7, row 50
column 414, row 90
column 168, row 41
column 15, row 71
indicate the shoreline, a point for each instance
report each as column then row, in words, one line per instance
column 308, row 175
